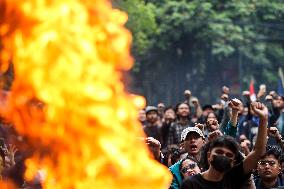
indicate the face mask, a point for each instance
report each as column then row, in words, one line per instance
column 221, row 163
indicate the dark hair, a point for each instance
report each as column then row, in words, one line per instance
column 211, row 113
column 180, row 103
column 273, row 150
column 169, row 108
column 207, row 106
column 175, row 155
column 227, row 142
column 207, row 147
column 176, row 110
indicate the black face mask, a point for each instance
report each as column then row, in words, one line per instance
column 221, row 163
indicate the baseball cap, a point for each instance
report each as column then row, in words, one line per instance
column 151, row 108
column 191, row 129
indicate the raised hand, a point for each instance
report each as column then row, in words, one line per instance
column 213, row 135
column 260, row 110
column 200, row 126
column 155, row 146
column 274, row 132
column 235, row 104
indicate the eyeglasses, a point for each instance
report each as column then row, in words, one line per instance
column 264, row 163
column 190, row 166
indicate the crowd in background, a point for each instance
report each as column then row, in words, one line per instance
column 233, row 143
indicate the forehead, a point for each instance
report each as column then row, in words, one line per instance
column 183, row 106
column 211, row 114
column 151, row 112
column 187, row 162
column 270, row 158
column 169, row 111
column 224, row 149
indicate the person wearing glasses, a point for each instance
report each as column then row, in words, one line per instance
column 269, row 169
column 189, row 167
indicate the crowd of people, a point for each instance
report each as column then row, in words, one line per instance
column 234, row 143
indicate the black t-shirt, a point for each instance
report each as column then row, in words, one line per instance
column 233, row 179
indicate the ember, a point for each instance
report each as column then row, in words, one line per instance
column 68, row 99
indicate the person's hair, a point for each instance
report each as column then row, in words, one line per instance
column 178, row 105
column 169, row 108
column 204, row 164
column 273, row 150
column 227, row 142
column 211, row 113
column 176, row 110
column 175, row 155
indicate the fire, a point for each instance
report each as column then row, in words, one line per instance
column 68, row 99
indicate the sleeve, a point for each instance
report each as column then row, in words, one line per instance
column 174, row 184
column 230, row 129
column 225, row 119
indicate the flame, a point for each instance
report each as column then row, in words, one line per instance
column 139, row 101
column 68, row 99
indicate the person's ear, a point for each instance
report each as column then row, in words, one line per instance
column 208, row 155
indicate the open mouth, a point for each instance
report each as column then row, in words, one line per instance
column 191, row 173
column 193, row 147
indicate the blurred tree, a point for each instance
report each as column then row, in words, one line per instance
column 203, row 44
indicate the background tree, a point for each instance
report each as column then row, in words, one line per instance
column 202, row 45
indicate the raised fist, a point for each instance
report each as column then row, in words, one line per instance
column 235, row 104
column 260, row 110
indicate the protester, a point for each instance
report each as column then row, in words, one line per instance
column 192, row 141
column 142, row 116
column 181, row 123
column 169, row 118
column 188, row 167
column 222, row 172
column 152, row 128
column 269, row 169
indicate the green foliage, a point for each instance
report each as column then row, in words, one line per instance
column 169, row 33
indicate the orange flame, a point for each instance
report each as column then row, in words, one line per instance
column 68, row 98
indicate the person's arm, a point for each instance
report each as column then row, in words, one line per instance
column 231, row 127
column 230, row 130
column 197, row 107
column 247, row 103
column 253, row 157
column 235, row 104
column 225, row 119
column 155, row 147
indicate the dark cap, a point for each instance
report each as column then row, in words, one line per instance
column 151, row 108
